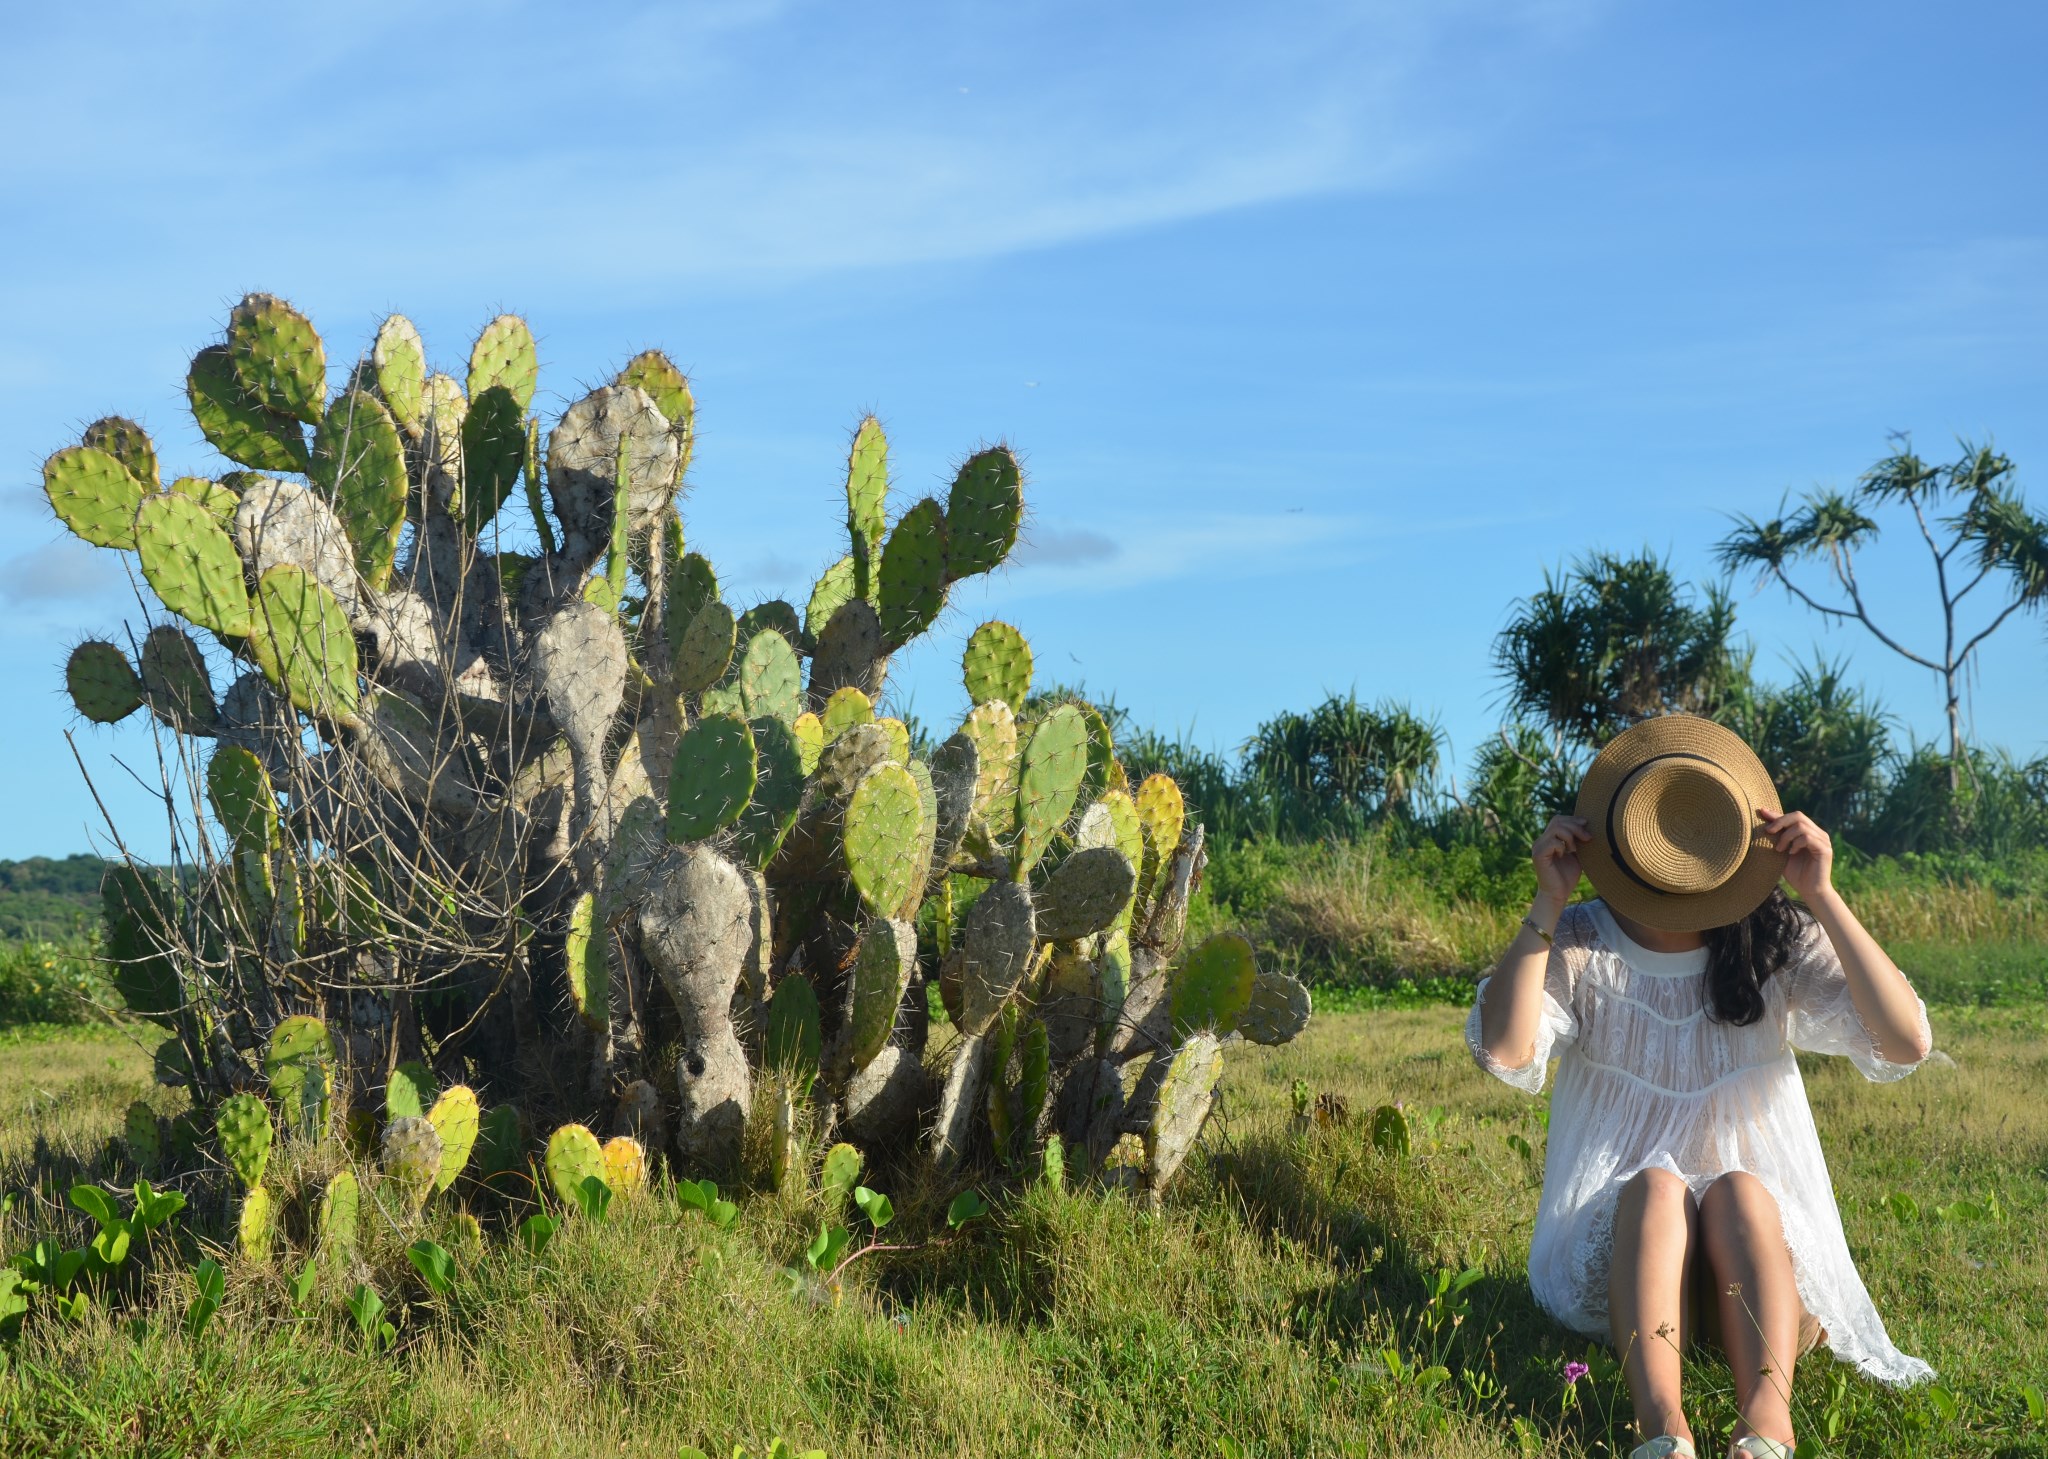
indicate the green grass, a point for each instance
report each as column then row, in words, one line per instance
column 1257, row 1306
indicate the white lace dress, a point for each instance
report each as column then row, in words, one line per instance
column 1646, row 1079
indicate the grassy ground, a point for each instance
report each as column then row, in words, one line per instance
column 1280, row 1304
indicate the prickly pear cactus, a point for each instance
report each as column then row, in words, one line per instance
column 243, row 1125
column 498, row 778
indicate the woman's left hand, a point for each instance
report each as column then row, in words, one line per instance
column 1810, row 855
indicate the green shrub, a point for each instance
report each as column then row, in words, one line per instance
column 51, row 982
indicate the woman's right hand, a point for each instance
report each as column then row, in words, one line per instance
column 1556, row 857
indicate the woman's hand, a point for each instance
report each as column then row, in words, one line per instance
column 1810, row 855
column 1556, row 857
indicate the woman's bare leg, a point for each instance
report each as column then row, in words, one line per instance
column 1654, row 1231
column 1745, row 1242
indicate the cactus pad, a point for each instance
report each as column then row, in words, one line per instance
column 958, row 1101
column 301, row 638
column 883, row 833
column 1034, row 1078
column 192, row 563
column 1279, row 1009
column 997, row 664
column 692, row 582
column 243, row 1126
column 983, row 511
column 794, row 1038
column 455, row 1118
column 584, row 961
column 668, row 388
column 954, row 773
column 849, row 757
column 493, row 455
column 837, row 1177
column 850, row 652
column 237, row 424
column 1213, row 987
column 913, row 577
column 1085, row 894
column 882, row 964
column 127, row 443
column 143, row 1135
column 412, row 1156
column 174, row 681
column 625, row 1165
column 996, row 942
column 104, row 686
column 299, row 1063
column 336, row 1226
column 778, row 791
column 899, row 737
column 359, row 467
column 277, row 356
column 583, row 457
column 993, row 729
column 845, row 709
column 703, row 651
column 1101, row 753
column 398, row 364
column 832, row 590
column 137, row 907
column 1160, row 816
column 285, row 522
column 504, row 357
column 867, row 494
column 712, row 779
column 93, row 494
column 1054, row 764
column 773, row 613
column 219, row 501
column 255, row 1225
column 409, row 1091
column 1181, row 1107
column 809, row 731
column 771, row 681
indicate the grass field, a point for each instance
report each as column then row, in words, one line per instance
column 1279, row 1305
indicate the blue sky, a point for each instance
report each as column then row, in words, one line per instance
column 1323, row 328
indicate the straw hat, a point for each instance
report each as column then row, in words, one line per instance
column 1672, row 805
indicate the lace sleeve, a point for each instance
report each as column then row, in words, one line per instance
column 1821, row 1017
column 1558, row 1025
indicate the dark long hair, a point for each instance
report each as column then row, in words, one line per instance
column 1745, row 955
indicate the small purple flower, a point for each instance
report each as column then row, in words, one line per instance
column 1573, row 1372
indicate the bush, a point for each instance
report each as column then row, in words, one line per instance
column 51, row 982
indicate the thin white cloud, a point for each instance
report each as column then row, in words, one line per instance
column 65, row 571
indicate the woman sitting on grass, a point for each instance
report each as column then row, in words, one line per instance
column 1684, row 1189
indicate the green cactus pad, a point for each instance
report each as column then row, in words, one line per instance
column 882, row 964
column 138, row 908
column 104, row 686
column 335, row 1228
column 995, row 942
column 778, row 791
column 705, row 650
column 1279, row 1009
column 725, row 699
column 1086, row 894
column 239, row 791
column 408, row 1091
column 299, row 1063
column 278, row 358
column 1181, row 1107
column 810, row 739
column 712, row 779
column 837, row 1177
column 846, row 708
column 993, row 729
column 867, row 495
column 255, row 1225
column 983, row 512
column 411, row 1155
column 833, row 589
column 236, row 424
column 219, row 501
column 455, row 1117
column 398, row 363
column 1034, row 1078
column 692, row 582
column 143, row 1134
column 169, row 1066
column 504, row 357
column 1212, row 988
column 192, row 563
column 668, row 387
column 625, row 1165
column 1053, row 765
column 574, row 1155
column 883, row 821
column 997, row 664
column 588, row 969
column 301, row 639
column 500, row 1143
column 794, row 1039
column 1160, row 816
column 1101, row 753
column 850, row 653
column 913, row 578
column 1113, row 978
column 776, row 614
column 493, row 455
column 243, row 1126
column 174, row 680
column 93, row 494
column 899, row 737
column 359, row 466
column 127, row 443
column 848, row 758
column 771, row 681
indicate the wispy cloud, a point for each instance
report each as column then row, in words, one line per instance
column 63, row 572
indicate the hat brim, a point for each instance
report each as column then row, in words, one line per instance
column 1677, row 734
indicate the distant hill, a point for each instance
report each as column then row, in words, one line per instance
column 50, row 897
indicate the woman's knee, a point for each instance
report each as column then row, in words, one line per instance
column 1656, row 1193
column 1736, row 1203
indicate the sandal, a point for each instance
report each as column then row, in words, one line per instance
column 1664, row 1446
column 1756, row 1446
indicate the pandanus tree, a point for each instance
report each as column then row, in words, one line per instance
column 555, row 818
